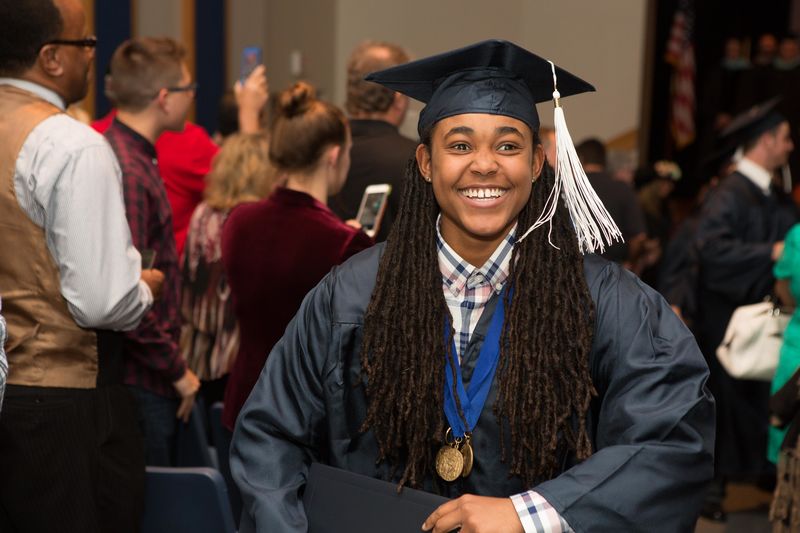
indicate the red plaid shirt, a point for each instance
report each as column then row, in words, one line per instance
column 152, row 358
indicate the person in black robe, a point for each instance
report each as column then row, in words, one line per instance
column 738, row 238
column 598, row 409
column 679, row 272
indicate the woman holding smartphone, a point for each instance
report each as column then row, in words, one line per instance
column 540, row 389
column 275, row 251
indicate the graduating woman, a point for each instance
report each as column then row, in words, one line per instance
column 541, row 389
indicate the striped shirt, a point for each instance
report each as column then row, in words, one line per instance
column 467, row 289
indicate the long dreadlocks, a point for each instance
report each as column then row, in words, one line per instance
column 544, row 385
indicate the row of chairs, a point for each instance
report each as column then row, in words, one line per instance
column 198, row 495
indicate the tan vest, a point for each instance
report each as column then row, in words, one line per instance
column 45, row 347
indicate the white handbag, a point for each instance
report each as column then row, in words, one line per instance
column 752, row 343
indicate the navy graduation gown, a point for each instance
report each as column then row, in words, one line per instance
column 652, row 426
column 736, row 231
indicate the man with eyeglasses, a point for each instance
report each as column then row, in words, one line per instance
column 152, row 89
column 71, row 457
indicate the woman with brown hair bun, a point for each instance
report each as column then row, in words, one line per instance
column 276, row 250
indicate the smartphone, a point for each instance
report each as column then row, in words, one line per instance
column 251, row 58
column 148, row 258
column 373, row 205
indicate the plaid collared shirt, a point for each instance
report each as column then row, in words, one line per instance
column 152, row 358
column 467, row 289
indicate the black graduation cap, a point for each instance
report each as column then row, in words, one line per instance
column 495, row 77
column 500, row 78
column 753, row 122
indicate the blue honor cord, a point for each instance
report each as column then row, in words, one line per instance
column 474, row 397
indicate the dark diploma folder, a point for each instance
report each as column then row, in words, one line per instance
column 338, row 501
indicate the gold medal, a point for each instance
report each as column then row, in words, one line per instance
column 449, row 460
column 449, row 463
column 469, row 458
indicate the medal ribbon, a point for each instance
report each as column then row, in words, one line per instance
column 473, row 399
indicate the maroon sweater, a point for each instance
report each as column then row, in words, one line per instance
column 274, row 252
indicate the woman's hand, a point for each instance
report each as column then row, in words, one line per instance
column 251, row 97
column 475, row 514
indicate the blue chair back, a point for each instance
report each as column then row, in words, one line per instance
column 191, row 441
column 186, row 500
column 221, row 438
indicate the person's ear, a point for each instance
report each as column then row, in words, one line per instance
column 50, row 61
column 161, row 99
column 333, row 154
column 538, row 162
column 424, row 162
column 400, row 102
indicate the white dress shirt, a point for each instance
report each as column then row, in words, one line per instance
column 68, row 181
column 760, row 176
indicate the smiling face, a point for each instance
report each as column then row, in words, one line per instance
column 481, row 168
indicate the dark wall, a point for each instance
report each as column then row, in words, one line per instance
column 210, row 67
column 715, row 21
column 112, row 27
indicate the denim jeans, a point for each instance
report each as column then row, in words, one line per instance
column 159, row 425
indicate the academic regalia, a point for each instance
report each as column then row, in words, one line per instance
column 678, row 272
column 735, row 235
column 651, row 425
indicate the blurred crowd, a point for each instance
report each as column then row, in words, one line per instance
column 171, row 260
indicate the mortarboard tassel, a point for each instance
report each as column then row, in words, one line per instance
column 593, row 224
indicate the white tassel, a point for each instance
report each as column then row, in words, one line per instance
column 592, row 222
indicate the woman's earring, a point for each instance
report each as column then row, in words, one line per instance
column 427, row 178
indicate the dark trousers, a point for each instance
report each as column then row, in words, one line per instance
column 71, row 460
column 158, row 425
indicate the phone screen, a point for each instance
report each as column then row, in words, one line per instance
column 372, row 206
column 251, row 58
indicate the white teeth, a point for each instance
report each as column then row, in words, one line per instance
column 486, row 194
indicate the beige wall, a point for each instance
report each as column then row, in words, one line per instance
column 247, row 26
column 423, row 27
column 281, row 28
column 601, row 41
column 157, row 18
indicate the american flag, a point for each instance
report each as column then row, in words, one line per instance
column 680, row 54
